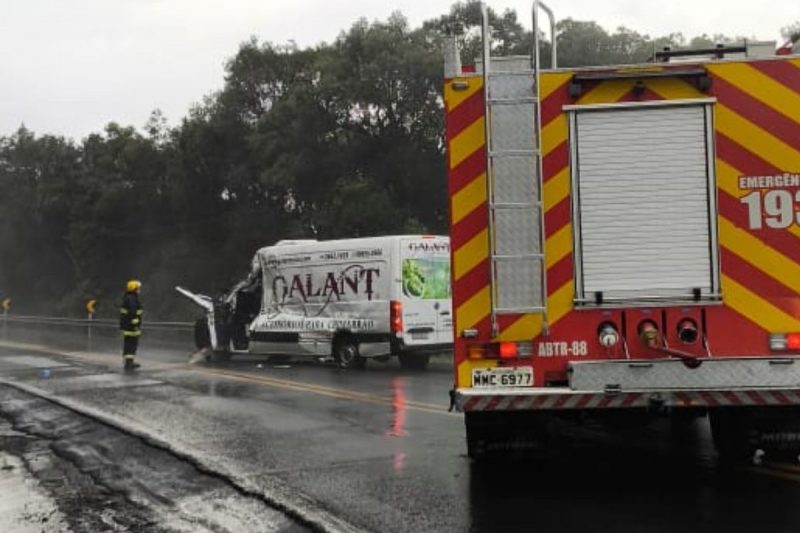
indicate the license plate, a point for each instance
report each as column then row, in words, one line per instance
column 521, row 376
column 419, row 336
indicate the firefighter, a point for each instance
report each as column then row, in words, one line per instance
column 130, row 323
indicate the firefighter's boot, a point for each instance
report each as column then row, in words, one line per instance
column 130, row 364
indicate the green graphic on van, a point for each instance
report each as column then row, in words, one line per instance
column 427, row 279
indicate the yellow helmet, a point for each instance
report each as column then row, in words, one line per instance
column 134, row 285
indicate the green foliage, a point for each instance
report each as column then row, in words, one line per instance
column 338, row 140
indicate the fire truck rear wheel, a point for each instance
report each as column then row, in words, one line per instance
column 504, row 435
column 414, row 361
column 729, row 431
column 345, row 353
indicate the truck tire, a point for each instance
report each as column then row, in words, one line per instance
column 345, row 353
column 202, row 337
column 729, row 431
column 414, row 361
column 505, row 435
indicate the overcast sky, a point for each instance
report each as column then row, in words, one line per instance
column 71, row 66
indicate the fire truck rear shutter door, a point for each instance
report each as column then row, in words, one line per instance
column 646, row 215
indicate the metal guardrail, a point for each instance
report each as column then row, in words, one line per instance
column 94, row 322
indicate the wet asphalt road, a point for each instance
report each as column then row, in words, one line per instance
column 378, row 450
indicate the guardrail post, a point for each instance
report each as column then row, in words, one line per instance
column 90, row 308
column 89, row 331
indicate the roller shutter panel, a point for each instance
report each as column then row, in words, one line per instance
column 645, row 212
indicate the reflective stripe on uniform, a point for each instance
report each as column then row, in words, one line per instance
column 123, row 311
column 131, row 333
column 139, row 312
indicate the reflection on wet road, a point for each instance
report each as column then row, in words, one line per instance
column 379, row 450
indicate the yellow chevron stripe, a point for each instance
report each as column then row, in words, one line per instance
column 755, row 139
column 471, row 254
column 607, row 92
column 758, row 254
column 467, row 142
column 465, row 370
column 454, row 98
column 558, row 246
column 551, row 81
column 559, row 303
column 755, row 308
column 467, row 199
column 524, row 328
column 761, row 87
column 728, row 181
column 674, row 89
column 554, row 134
column 473, row 310
column 556, row 189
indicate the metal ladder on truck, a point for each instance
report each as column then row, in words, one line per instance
column 514, row 176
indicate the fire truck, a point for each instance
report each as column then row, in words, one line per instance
column 625, row 243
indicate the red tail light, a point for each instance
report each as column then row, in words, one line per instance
column 508, row 350
column 793, row 341
column 396, row 317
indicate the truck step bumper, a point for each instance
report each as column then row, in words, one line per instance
column 532, row 399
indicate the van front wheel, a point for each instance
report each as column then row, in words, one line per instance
column 346, row 355
column 414, row 361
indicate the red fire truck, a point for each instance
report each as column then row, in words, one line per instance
column 626, row 242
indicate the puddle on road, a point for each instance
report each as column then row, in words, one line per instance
column 398, row 428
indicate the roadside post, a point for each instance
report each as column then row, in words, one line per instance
column 90, row 308
column 6, row 304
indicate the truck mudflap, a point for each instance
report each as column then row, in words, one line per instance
column 716, row 382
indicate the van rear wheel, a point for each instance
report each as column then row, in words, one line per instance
column 346, row 355
column 414, row 361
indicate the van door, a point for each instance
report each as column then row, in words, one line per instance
column 425, row 290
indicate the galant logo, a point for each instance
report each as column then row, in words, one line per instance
column 355, row 279
column 429, row 246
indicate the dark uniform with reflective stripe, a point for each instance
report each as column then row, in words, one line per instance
column 130, row 323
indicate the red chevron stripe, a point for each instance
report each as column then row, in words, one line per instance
column 758, row 113
column 551, row 106
column 772, row 290
column 559, row 274
column 469, row 226
column 465, row 114
column 505, row 321
column 743, row 159
column 784, row 72
column 466, row 171
column 557, row 217
column 473, row 281
column 780, row 240
column 555, row 161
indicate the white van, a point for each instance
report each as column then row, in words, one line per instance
column 349, row 300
